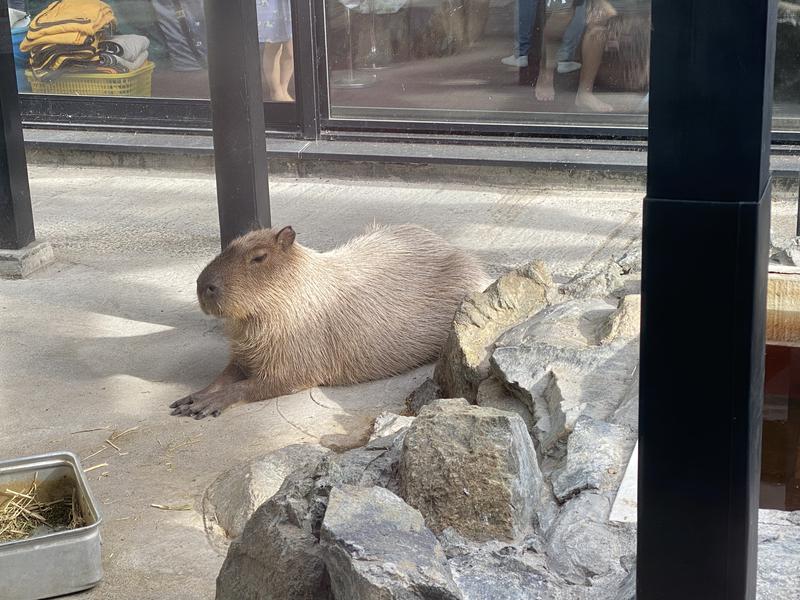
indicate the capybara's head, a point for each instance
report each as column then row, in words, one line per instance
column 233, row 285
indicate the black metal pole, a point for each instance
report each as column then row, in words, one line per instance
column 705, row 244
column 237, row 114
column 16, row 217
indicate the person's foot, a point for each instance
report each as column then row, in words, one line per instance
column 515, row 61
column 568, row 66
column 590, row 102
column 544, row 90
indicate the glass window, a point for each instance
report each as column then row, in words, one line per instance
column 488, row 60
column 142, row 48
column 787, row 66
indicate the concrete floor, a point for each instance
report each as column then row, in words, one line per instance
column 108, row 337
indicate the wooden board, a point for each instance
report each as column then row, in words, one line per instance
column 783, row 306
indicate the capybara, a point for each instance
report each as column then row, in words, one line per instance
column 377, row 306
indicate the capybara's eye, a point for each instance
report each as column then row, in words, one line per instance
column 258, row 259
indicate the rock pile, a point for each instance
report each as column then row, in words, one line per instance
column 500, row 484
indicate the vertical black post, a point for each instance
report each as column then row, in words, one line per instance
column 706, row 239
column 16, row 218
column 304, row 34
column 237, row 113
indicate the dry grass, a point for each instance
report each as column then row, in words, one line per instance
column 22, row 512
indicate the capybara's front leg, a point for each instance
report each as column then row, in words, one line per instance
column 205, row 404
column 230, row 374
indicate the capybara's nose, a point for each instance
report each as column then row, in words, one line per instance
column 207, row 288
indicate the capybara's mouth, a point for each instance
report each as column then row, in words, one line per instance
column 210, row 308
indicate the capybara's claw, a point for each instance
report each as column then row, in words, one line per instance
column 182, row 402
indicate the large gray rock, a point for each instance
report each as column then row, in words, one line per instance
column 235, row 495
column 473, row 469
column 788, row 253
column 631, row 261
column 568, row 360
column 388, row 423
column 601, row 282
column 583, row 544
column 597, row 453
column 376, row 463
column 625, row 322
column 493, row 394
column 778, row 555
column 495, row 571
column 277, row 557
column 481, row 318
column 422, row 396
column 377, row 547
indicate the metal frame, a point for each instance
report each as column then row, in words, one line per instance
column 240, row 154
column 16, row 216
column 705, row 257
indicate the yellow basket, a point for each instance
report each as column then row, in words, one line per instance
column 136, row 83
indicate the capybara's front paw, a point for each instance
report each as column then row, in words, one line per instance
column 202, row 404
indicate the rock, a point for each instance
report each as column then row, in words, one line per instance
column 582, row 543
column 474, row 469
column 235, row 495
column 508, row 573
column 631, row 261
column 493, row 394
column 597, row 453
column 481, row 318
column 558, row 366
column 619, row 586
column 778, row 552
column 601, row 282
column 626, row 320
column 788, row 254
column 375, row 464
column 423, row 395
column 493, row 569
column 388, row 423
column 376, row 546
column 277, row 557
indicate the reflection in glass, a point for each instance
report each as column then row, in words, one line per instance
column 348, row 78
column 277, row 49
column 138, row 48
column 113, row 48
column 570, row 60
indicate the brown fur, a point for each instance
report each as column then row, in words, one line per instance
column 377, row 306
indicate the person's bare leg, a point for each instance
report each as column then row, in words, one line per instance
column 286, row 72
column 554, row 28
column 271, row 69
column 594, row 43
column 230, row 375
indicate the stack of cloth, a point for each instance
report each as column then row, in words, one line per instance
column 66, row 36
column 124, row 53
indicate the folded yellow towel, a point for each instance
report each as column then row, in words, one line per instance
column 68, row 22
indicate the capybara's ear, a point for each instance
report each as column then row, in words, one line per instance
column 285, row 237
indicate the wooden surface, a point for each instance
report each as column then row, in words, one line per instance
column 783, row 306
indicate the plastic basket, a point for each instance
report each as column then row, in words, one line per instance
column 136, row 83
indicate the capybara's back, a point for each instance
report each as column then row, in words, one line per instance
column 378, row 306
